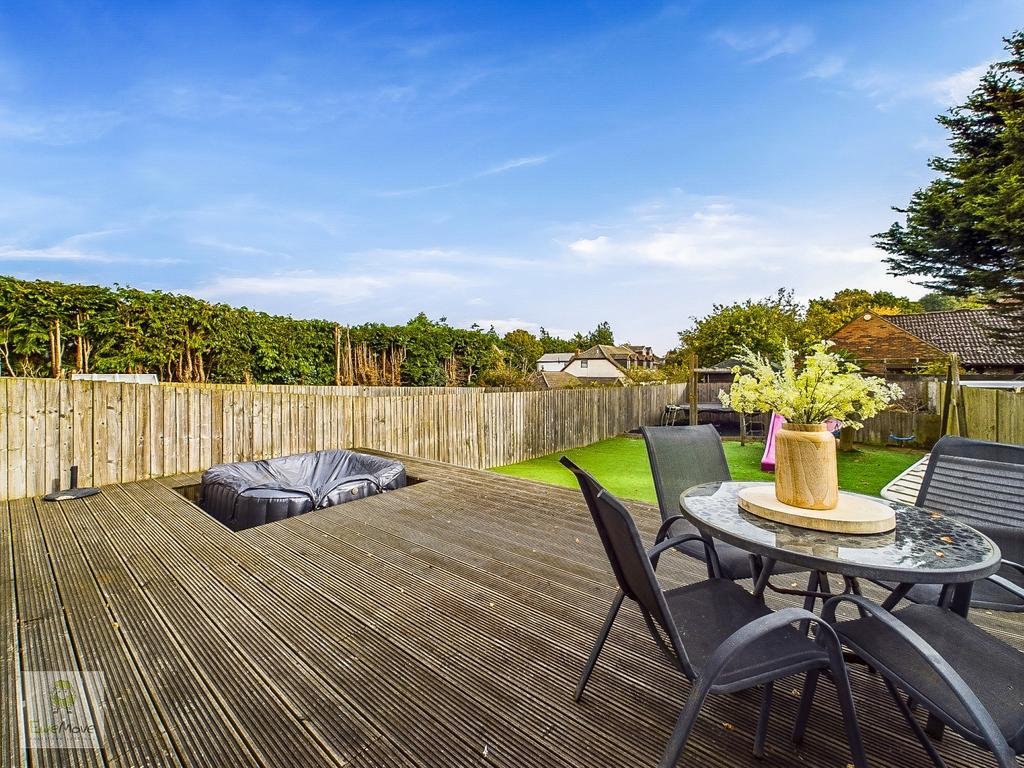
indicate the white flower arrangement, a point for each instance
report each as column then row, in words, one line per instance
column 824, row 387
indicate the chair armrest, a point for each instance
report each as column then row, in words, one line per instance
column 758, row 628
column 666, row 526
column 967, row 698
column 1014, row 589
column 1016, row 566
column 654, row 553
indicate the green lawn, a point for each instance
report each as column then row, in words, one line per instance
column 620, row 464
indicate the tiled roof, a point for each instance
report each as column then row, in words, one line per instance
column 962, row 331
column 555, row 379
column 604, row 352
column 555, row 357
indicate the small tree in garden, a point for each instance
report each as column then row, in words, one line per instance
column 523, row 349
column 762, row 326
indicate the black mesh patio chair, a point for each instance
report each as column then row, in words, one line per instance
column 682, row 457
column 733, row 641
column 970, row 680
column 982, row 484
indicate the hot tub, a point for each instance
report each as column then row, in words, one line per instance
column 251, row 493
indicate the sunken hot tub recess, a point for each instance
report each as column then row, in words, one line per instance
column 252, row 493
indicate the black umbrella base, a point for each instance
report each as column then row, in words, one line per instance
column 71, row 493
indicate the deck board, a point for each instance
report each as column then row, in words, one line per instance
column 905, row 486
column 145, row 599
column 444, row 624
column 131, row 720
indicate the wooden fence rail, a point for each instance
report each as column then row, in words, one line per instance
column 118, row 432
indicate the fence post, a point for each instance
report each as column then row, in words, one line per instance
column 691, row 392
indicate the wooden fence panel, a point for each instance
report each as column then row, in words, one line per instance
column 17, row 456
column 980, row 405
column 3, row 438
column 118, row 432
column 1010, row 417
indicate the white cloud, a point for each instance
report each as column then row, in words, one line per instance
column 714, row 233
column 58, row 127
column 732, row 242
column 592, row 246
column 765, row 44
column 51, row 253
column 453, row 256
column 504, row 167
column 827, row 68
column 519, row 162
column 411, row 191
column 954, row 89
column 413, row 254
column 69, row 251
column 334, row 289
column 330, row 289
column 887, row 87
column 246, row 250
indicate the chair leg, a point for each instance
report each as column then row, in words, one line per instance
column 915, row 726
column 762, row 719
column 684, row 725
column 596, row 651
column 813, row 581
column 806, row 700
column 849, row 711
column 713, row 571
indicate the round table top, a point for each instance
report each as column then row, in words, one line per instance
column 925, row 547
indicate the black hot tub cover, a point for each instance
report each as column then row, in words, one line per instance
column 255, row 492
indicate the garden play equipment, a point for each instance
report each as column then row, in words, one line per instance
column 768, row 459
column 902, row 438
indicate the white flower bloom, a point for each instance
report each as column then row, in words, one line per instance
column 824, row 387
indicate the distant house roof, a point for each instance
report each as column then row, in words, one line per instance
column 555, row 357
column 554, row 380
column 604, row 352
column 964, row 331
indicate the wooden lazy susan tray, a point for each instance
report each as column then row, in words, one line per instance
column 854, row 514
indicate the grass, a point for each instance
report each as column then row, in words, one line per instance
column 620, row 464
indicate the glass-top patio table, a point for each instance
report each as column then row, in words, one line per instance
column 924, row 548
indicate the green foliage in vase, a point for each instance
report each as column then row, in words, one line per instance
column 823, row 386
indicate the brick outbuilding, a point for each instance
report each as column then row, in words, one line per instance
column 902, row 343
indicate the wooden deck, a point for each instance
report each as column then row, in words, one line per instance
column 443, row 624
column 906, row 485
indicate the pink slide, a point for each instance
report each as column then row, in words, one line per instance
column 768, row 460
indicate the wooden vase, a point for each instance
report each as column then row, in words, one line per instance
column 805, row 467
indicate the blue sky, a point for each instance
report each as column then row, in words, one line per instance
column 515, row 164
